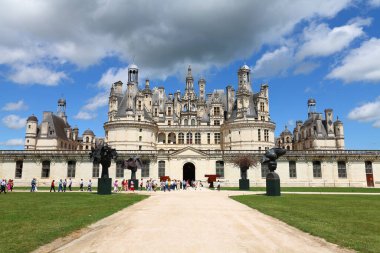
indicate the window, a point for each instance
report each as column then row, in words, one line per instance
column 259, row 134
column 216, row 122
column 266, row 135
column 193, row 122
column 119, row 169
column 139, row 105
column 262, row 118
column 145, row 169
column 87, row 139
column 216, row 111
column 139, row 118
column 368, row 167
column 161, row 168
column 169, row 111
column 264, row 170
column 45, row 169
column 189, row 138
column 140, row 138
column 155, row 112
column 140, row 147
column 140, row 130
column 208, row 138
column 169, row 122
column 217, row 138
column 181, row 138
column 71, row 168
column 292, row 169
column 18, row 173
column 185, row 122
column 342, row 172
column 317, row 172
column 219, row 165
column 262, row 106
column 95, row 169
column 197, row 138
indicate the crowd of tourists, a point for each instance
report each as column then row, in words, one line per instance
column 65, row 184
column 157, row 185
column 6, row 186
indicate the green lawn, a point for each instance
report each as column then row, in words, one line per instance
column 351, row 221
column 313, row 189
column 29, row 220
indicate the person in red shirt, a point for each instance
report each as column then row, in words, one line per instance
column 52, row 186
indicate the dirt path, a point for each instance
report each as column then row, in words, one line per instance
column 203, row 221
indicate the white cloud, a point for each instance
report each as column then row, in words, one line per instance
column 320, row 40
column 99, row 100
column 274, row 63
column 157, row 34
column 305, row 68
column 113, row 75
column 36, row 75
column 361, row 64
column 368, row 112
column 12, row 142
column 374, row 3
column 85, row 115
column 14, row 122
column 15, row 106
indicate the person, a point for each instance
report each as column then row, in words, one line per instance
column 2, row 186
column 33, row 184
column 141, row 184
column 89, row 186
column 64, row 185
column 115, row 186
column 60, row 188
column 81, row 185
column 132, row 186
column 52, row 186
column 70, row 184
column 218, row 185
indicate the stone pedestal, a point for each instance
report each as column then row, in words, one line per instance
column 104, row 186
column 273, row 184
column 135, row 184
column 244, row 184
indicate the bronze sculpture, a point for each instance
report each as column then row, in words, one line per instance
column 132, row 164
column 272, row 179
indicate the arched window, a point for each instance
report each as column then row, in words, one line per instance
column 171, row 138
column 185, row 122
column 193, row 122
column 87, row 139
column 161, row 138
column 197, row 138
column 181, row 138
column 189, row 138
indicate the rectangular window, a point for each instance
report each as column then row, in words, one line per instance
column 217, row 138
column 45, row 173
column 262, row 106
column 155, row 112
column 139, row 118
column 140, row 138
column 259, row 134
column 208, row 138
column 145, row 169
column 317, row 171
column 169, row 122
column 266, row 135
column 139, row 105
column 181, row 138
column 197, row 138
column 219, row 165
column 368, row 167
column 262, row 118
column 264, row 170
column 216, row 122
column 71, row 168
column 216, row 111
column 19, row 165
column 342, row 172
column 119, row 169
column 161, row 168
column 169, row 111
column 292, row 169
column 95, row 169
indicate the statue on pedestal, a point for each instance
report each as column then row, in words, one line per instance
column 273, row 180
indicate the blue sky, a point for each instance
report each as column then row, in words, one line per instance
column 327, row 50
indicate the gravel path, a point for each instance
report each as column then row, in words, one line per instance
column 190, row 221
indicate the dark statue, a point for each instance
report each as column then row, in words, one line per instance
column 103, row 154
column 273, row 187
column 132, row 164
column 271, row 156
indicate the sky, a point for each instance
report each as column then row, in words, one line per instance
column 326, row 50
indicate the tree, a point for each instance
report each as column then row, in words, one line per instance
column 244, row 162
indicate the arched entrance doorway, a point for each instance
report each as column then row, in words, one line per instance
column 189, row 172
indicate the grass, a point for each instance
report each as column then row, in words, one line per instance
column 351, row 221
column 29, row 220
column 313, row 189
